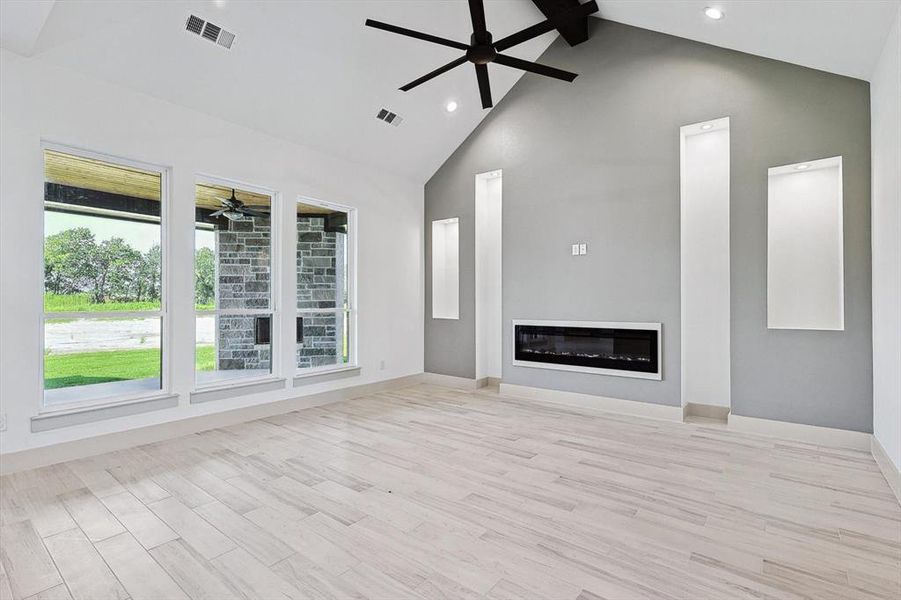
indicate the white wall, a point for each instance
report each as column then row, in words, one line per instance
column 705, row 295
column 39, row 101
column 885, row 106
column 489, row 320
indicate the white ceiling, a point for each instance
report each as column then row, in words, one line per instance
column 310, row 72
column 839, row 36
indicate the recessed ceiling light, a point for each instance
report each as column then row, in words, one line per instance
column 706, row 126
column 801, row 167
column 714, row 13
column 451, row 106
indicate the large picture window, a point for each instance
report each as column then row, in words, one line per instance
column 232, row 283
column 103, row 318
column 325, row 298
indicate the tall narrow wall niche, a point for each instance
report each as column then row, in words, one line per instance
column 705, row 297
column 489, row 324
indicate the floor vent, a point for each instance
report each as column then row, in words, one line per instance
column 210, row 32
column 389, row 117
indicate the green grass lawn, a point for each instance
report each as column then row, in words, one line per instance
column 82, row 303
column 83, row 368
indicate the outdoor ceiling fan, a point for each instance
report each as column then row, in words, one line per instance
column 235, row 210
column 482, row 50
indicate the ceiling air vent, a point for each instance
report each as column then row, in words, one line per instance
column 389, row 117
column 195, row 24
column 226, row 38
column 210, row 32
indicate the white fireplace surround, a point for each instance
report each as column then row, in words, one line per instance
column 658, row 327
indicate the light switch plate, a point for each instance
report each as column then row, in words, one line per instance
column 575, row 249
column 583, row 248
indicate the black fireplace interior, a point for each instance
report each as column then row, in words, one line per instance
column 621, row 349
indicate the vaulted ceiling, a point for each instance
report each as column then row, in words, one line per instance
column 310, row 72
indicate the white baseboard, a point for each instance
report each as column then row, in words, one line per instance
column 811, row 434
column 590, row 401
column 891, row 473
column 48, row 455
column 451, row 381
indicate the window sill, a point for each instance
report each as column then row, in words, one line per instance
column 68, row 417
column 233, row 390
column 322, row 375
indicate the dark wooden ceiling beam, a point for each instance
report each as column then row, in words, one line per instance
column 574, row 31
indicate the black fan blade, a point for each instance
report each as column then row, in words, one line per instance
column 477, row 12
column 416, row 34
column 524, row 35
column 252, row 212
column 435, row 73
column 484, row 86
column 583, row 10
column 228, row 202
column 524, row 65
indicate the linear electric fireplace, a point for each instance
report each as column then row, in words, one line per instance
column 622, row 349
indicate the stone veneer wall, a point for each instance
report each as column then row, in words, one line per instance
column 244, row 276
column 244, row 282
column 320, row 284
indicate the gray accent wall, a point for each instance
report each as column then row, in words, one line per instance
column 597, row 161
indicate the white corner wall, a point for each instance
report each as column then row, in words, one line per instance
column 885, row 110
column 489, row 320
column 40, row 101
column 705, row 284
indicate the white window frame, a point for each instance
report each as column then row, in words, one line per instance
column 275, row 334
column 351, row 283
column 162, row 314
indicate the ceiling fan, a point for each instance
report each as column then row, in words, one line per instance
column 482, row 50
column 235, row 210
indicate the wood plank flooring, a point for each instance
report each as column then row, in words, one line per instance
column 433, row 493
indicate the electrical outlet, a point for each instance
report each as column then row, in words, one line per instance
column 575, row 249
column 381, row 365
column 2, row 421
column 583, row 249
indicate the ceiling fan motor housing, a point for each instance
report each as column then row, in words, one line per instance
column 481, row 50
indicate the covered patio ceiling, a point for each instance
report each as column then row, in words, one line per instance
column 90, row 174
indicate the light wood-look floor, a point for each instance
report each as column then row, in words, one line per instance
column 435, row 493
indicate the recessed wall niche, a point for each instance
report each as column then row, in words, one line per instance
column 805, row 280
column 705, row 267
column 446, row 268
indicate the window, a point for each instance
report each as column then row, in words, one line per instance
column 233, row 283
column 325, row 278
column 446, row 269
column 104, row 296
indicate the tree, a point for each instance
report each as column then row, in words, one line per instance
column 69, row 261
column 148, row 280
column 204, row 276
column 117, row 265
